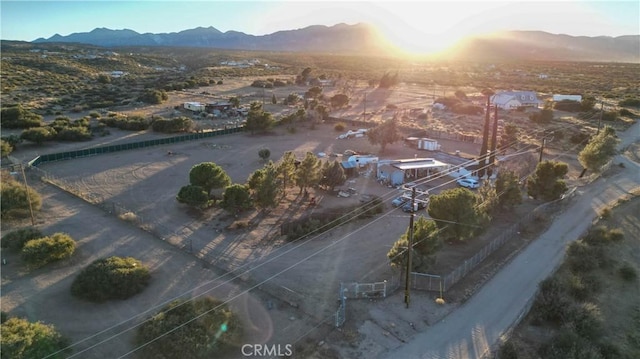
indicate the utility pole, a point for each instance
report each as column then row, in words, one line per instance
column 407, row 284
column 600, row 119
column 364, row 113
column 544, row 140
column 26, row 188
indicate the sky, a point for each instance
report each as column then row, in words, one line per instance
column 405, row 23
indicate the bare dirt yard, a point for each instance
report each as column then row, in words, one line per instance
column 295, row 284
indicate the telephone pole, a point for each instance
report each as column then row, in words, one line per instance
column 407, row 284
column 26, row 189
column 544, row 140
column 600, row 119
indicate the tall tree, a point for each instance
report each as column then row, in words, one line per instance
column 455, row 213
column 258, row 119
column 426, row 241
column 508, row 189
column 234, row 101
column 600, row 149
column 332, row 175
column 208, row 175
column 287, row 169
column 194, row 196
column 384, row 134
column 546, row 183
column 339, row 100
column 264, row 185
column 509, row 136
column 308, row 172
column 22, row 339
column 236, row 198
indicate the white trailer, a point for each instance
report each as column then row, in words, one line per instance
column 194, row 106
column 428, row 144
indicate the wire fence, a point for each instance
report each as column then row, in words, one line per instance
column 437, row 283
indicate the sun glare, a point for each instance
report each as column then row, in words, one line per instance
column 431, row 27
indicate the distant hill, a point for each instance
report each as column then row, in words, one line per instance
column 364, row 39
column 543, row 46
column 341, row 38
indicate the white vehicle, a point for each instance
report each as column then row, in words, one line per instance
column 468, row 183
column 353, row 134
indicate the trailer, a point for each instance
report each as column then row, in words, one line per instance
column 194, row 106
column 428, row 144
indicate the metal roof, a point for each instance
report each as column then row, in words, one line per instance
column 410, row 165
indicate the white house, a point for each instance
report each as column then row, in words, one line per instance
column 576, row 98
column 511, row 100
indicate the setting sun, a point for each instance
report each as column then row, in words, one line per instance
column 428, row 27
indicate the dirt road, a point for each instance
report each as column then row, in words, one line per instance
column 472, row 330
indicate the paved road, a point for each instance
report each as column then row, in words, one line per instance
column 470, row 331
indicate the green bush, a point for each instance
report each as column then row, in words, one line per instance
column 22, row 339
column 551, row 301
column 39, row 252
column 628, row 272
column 583, row 286
column 569, row 345
column 583, row 257
column 630, row 102
column 74, row 134
column 216, row 329
column 111, row 278
column 585, row 320
column 15, row 199
column 178, row 124
column 15, row 240
column 508, row 350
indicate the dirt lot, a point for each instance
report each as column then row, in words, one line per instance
column 303, row 275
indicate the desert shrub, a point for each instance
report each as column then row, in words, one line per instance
column 583, row 286
column 551, row 301
column 627, row 272
column 15, row 199
column 606, row 213
column 579, row 137
column 18, row 117
column 178, row 124
column 22, row 339
column 602, row 235
column 339, row 127
column 585, row 320
column 15, row 240
column 583, row 257
column 626, row 113
column 508, row 350
column 569, row 345
column 111, row 278
column 304, row 226
column 94, row 114
column 154, row 96
column 39, row 252
column 74, row 134
column 215, row 329
column 630, row 102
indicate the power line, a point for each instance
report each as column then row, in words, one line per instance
column 315, row 232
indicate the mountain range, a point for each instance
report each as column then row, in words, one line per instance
column 365, row 39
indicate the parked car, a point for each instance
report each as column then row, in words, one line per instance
column 399, row 201
column 468, row 183
column 418, row 206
